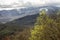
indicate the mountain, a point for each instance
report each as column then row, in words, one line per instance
column 9, row 15
column 25, row 18
column 18, row 24
column 28, row 20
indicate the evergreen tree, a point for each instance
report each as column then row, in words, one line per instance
column 46, row 27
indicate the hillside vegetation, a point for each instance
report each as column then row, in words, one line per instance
column 47, row 27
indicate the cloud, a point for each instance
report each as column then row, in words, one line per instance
column 42, row 1
column 52, row 1
column 33, row 2
column 7, row 2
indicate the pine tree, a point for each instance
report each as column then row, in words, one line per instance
column 46, row 27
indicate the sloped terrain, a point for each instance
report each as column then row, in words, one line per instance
column 18, row 25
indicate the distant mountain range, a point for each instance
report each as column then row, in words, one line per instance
column 10, row 15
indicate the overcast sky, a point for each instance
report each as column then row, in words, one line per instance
column 9, row 2
column 13, row 4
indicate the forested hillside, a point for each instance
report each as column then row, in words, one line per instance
column 47, row 27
